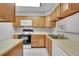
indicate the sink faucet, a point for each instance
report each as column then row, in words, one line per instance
column 59, row 35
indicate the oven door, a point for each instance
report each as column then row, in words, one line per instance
column 26, row 39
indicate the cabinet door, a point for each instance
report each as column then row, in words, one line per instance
column 41, row 41
column 7, row 11
column 65, row 7
column 69, row 6
column 38, row 21
column 53, row 24
column 74, row 6
column 49, row 45
column 58, row 12
column 35, row 22
column 68, row 9
column 47, row 21
column 18, row 19
column 34, row 41
column 41, row 22
column 38, row 41
column 46, row 42
column 53, row 16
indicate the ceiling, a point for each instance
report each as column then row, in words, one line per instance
column 44, row 10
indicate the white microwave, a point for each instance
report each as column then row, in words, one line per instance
column 26, row 22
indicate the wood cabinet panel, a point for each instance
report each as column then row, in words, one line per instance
column 53, row 24
column 18, row 19
column 41, row 41
column 49, row 23
column 35, row 21
column 65, row 7
column 53, row 15
column 38, row 21
column 63, row 10
column 49, row 45
column 38, row 41
column 34, row 41
column 16, row 51
column 7, row 12
column 58, row 12
column 68, row 9
column 74, row 6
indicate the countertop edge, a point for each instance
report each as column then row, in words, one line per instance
column 63, row 48
column 6, row 51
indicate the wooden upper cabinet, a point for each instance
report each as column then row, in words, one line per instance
column 68, row 9
column 53, row 24
column 65, row 7
column 53, row 16
column 38, row 21
column 58, row 12
column 47, row 21
column 18, row 19
column 63, row 10
column 35, row 21
column 7, row 12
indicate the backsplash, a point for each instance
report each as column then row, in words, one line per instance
column 69, row 26
column 73, row 36
column 48, row 30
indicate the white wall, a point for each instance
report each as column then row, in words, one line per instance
column 70, row 26
column 6, row 30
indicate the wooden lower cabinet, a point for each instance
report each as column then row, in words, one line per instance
column 49, row 45
column 16, row 51
column 38, row 41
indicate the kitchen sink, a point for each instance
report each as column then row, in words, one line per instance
column 57, row 36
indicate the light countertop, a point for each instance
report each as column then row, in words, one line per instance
column 70, row 46
column 38, row 33
column 7, row 45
